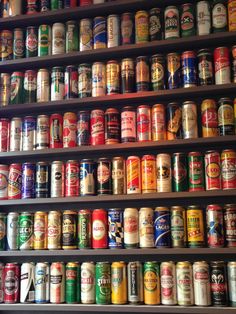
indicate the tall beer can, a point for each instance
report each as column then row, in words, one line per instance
column 40, row 230
column 86, row 35
column 231, row 270
column 54, row 231
column 148, row 174
column 131, row 230
column 127, row 76
column 42, row 132
column 27, row 283
column 146, row 227
column 56, row 139
column 44, row 40
column 57, row 83
column 103, row 283
column 57, row 179
column 69, row 230
column 171, row 21
column 127, row 28
column 168, row 283
column 41, row 283
column 57, row 283
column 87, row 283
column 201, row 283
column 58, row 38
column 163, row 166
column 18, row 43
column 162, row 236
column 98, row 79
column 118, row 176
column 219, row 289
column 11, row 283
column 203, row 15
column 15, row 134
column 151, row 283
column 189, row 120
column 158, row 115
column 184, row 281
column 141, row 27
column 99, row 32
column 144, row 123
column 133, row 175
column 230, row 224
column 84, row 80
column 4, row 174
column 1, row 282
column 31, row 42
column 209, row 118
column 43, row 85
column 195, row 226
column 3, row 231
column 135, row 282
column 28, row 133
column 25, row 231
column 115, row 228
column 222, row 65
column 128, row 124
column 12, row 231
column 72, row 285
column 5, row 89
column 113, row 31
column 178, row 226
column 72, row 36
column 118, row 283
column 84, row 228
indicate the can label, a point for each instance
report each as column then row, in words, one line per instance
column 25, row 232
column 141, row 27
column 97, row 125
column 228, row 170
column 14, row 182
column 195, row 228
column 168, row 284
column 215, row 226
column 171, row 23
column 143, row 124
column 162, row 228
column 213, row 171
column 128, row 126
column 196, row 173
column 133, row 176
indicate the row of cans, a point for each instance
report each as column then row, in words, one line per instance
column 184, row 283
column 116, row 228
column 150, row 174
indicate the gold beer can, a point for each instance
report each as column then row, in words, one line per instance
column 40, row 230
column 118, row 283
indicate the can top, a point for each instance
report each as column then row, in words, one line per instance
column 161, row 208
column 217, row 263
column 87, row 160
column 154, row 10
column 195, row 207
column 179, row 208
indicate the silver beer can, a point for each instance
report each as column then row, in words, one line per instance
column 113, row 31
column 135, row 282
column 43, row 86
column 146, row 227
column 184, row 282
column 12, row 231
column 87, row 283
column 231, row 270
column 27, row 283
column 58, row 38
column 28, row 133
column 57, row 83
column 15, row 134
column 42, row 132
column 57, row 179
column 42, row 283
column 203, row 18
column 189, row 120
column 201, row 283
column 163, row 165
column 131, row 232
column 98, row 79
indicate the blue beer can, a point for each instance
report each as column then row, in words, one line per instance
column 162, row 236
column 115, row 228
column 99, row 32
column 174, row 70
column 88, row 175
column 28, row 180
column 83, row 128
column 189, row 69
column 28, row 133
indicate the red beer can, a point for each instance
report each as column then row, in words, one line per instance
column 4, row 172
column 11, row 283
column 99, row 229
column 85, row 2
column 14, row 181
column 222, row 65
column 228, row 169
column 69, row 129
column 212, row 170
column 4, row 135
column 97, row 127
column 133, row 175
column 144, row 123
column 56, row 138
column 72, row 178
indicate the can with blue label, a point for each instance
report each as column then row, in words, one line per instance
column 162, row 236
column 87, row 177
column 83, row 128
column 115, row 228
column 28, row 180
column 189, row 69
column 42, row 283
column 28, row 133
column 99, row 32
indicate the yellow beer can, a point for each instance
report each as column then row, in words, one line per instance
column 118, row 283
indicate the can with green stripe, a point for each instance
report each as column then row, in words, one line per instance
column 72, row 283
column 17, row 93
column 56, row 4
column 72, row 36
column 151, row 282
column 44, row 40
column 3, row 229
column 103, row 283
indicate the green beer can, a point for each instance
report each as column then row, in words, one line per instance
column 187, row 20
column 17, row 95
column 72, row 282
column 103, row 283
column 3, row 230
column 180, row 172
column 30, row 86
column 44, row 40
column 84, row 229
column 56, row 4
column 72, row 36
column 25, row 231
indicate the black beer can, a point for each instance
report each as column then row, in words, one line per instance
column 127, row 76
column 225, row 117
column 155, row 24
column 174, row 121
column 219, row 293
column 112, row 126
column 83, row 128
column 205, row 67
column 42, row 181
column 104, row 176
column 142, row 74
column 44, row 5
column 18, row 43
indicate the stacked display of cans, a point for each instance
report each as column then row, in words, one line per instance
column 184, row 283
column 116, row 228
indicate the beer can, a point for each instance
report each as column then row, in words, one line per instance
column 30, row 86
column 44, row 40
column 144, row 123
column 14, row 181
column 112, row 126
column 149, row 174
column 6, row 38
column 42, row 132
column 71, row 82
column 84, row 80
column 72, row 36
column 56, row 136
column 58, row 38
column 87, row 283
column 99, row 32
column 128, row 124
column 163, row 166
column 196, row 180
column 84, row 229
column 142, row 74
column 57, row 84
column 219, row 17
column 56, row 4
column 118, row 283
column 231, row 16
column 113, row 31
column 4, row 134
column 178, row 226
column 201, row 284
column 131, row 228
column 135, row 282
column 189, row 69
column 195, row 226
column 88, row 175
column 189, row 120
column 44, row 5
column 174, row 120
column 14, row 6
column 41, row 283
column 146, row 227
column 187, row 20
column 104, row 176
column 174, row 70
column 99, row 229
column 40, row 230
column 158, row 123
column 228, row 169
column 171, row 22
column 133, row 175
column 222, row 65
column 103, row 283
column 69, row 129
column 72, row 283
column 218, row 279
column 209, row 118
column 31, row 7
column 127, row 76
column 11, row 283
column 27, row 283
column 3, row 231
column 141, row 27
column 17, row 95
column 98, row 79
column 57, row 179
column 43, row 89
column 184, row 281
column 72, row 178
column 205, row 67
column 155, row 24
column 69, row 230
column 179, row 172
column 18, row 43
column 86, row 35
column 231, row 271
column 118, row 176
column 1, row 281
column 28, row 133
column 15, row 134
column 54, row 230
column 203, row 17
column 4, row 173
column 97, row 127
column 230, row 224
column 226, row 117
column 83, row 128
column 215, row 226
column 162, row 236
column 57, row 283
column 115, row 228
column 12, row 231
column 127, row 28
column 151, row 283
column 28, row 180
column 5, row 8
column 112, row 77
column 158, row 72
column 42, row 180
column 168, row 283
column 212, row 170
column 25, row 231
column 5, row 89
column 31, row 42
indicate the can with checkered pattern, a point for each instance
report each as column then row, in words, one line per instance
column 115, row 228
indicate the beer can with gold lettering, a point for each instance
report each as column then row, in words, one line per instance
column 163, row 165
column 69, row 230
column 133, row 175
column 151, row 280
column 118, row 176
column 158, row 122
column 40, row 230
column 195, row 226
column 209, row 118
column 148, row 174
column 5, row 89
column 118, row 283
column 6, row 39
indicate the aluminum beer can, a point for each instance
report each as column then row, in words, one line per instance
column 72, row 36
column 151, row 283
column 15, row 134
column 219, row 17
column 14, row 181
column 104, row 176
column 148, row 174
column 187, row 20
column 57, row 179
column 112, row 126
column 218, row 280
column 127, row 28
column 155, row 24
column 97, row 127
column 234, row 62
column 222, row 65
column 141, row 27
column 215, row 226
column 88, row 175
column 146, row 227
column 28, row 180
column 168, row 283
column 27, row 283
column 58, row 38
column 128, row 124
column 158, row 72
column 72, row 178
column 163, row 166
column 144, row 123
column 99, row 32
column 196, row 178
column 83, row 128
column 25, row 231
column 54, row 230
column 189, row 69
column 184, row 281
column 231, row 16
column 18, row 43
column 14, row 7
column 171, row 22
column 56, row 4
column 226, row 117
column 127, row 76
column 112, row 77
column 99, row 229
column 17, row 95
column 84, row 80
column 44, row 40
column 41, row 283
column 201, row 283
column 209, row 118
column 189, row 120
column 84, row 229
column 12, row 231
column 228, row 169
column 205, row 67
column 31, row 42
column 103, row 283
column 142, row 74
column 133, row 175
column 212, row 170
column 174, row 70
column 195, row 226
column 40, row 230
column 72, row 284
column 43, row 82
column 71, row 82
column 42, row 132
column 231, row 271
column 113, row 31
column 174, row 121
column 30, row 86
column 230, row 224
column 98, row 79
column 118, row 176
column 203, row 17
column 69, row 129
column 118, row 283
column 57, row 283
column 87, row 283
column 56, row 123
column 28, row 133
column 57, row 84
column 5, row 89
column 115, row 228
column 131, row 228
column 69, row 230
column 4, row 174
column 179, row 172
column 1, row 282
column 86, row 35
column 135, row 282
column 4, row 134
column 6, row 38
column 162, row 237
column 178, row 227
column 3, row 231
column 11, row 283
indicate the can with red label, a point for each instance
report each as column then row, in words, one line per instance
column 104, row 176
column 56, row 139
column 71, row 82
column 69, row 129
column 209, row 118
column 97, row 127
column 14, row 181
column 212, row 170
column 4, row 134
column 168, row 283
column 230, row 224
column 215, row 226
column 144, row 123
column 4, row 172
column 158, row 122
column 133, row 175
column 57, row 283
column 222, row 65
column 131, row 228
column 72, row 178
column 196, row 171
column 85, row 2
column 99, row 229
column 11, row 283
column 112, row 126
column 128, row 124
column 149, row 174
column 228, row 169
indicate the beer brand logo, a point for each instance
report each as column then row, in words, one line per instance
column 202, row 275
column 163, row 172
column 104, row 284
column 18, row 47
column 150, row 280
column 213, row 170
column 103, row 174
column 87, row 280
column 171, row 21
column 71, row 274
column 187, row 21
column 184, row 282
column 228, row 169
column 154, row 25
column 210, row 118
column 11, row 283
column 179, row 172
column 157, row 72
column 44, row 41
column 99, row 230
column 130, row 224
